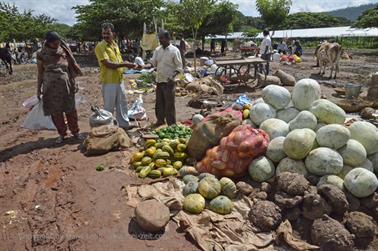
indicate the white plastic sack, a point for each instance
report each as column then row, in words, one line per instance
column 100, row 117
column 30, row 102
column 139, row 61
column 36, row 119
column 137, row 110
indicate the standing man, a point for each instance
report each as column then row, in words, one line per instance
column 111, row 71
column 266, row 49
column 183, row 51
column 167, row 61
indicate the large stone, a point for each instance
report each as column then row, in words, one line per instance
column 152, row 215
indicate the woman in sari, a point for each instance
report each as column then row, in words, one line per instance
column 57, row 69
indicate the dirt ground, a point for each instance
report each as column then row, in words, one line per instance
column 52, row 197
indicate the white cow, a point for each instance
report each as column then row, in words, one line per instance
column 329, row 54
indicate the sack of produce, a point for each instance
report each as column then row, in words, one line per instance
column 209, row 132
column 286, row 79
column 235, row 152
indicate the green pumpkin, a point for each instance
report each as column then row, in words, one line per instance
column 228, row 188
column 221, row 205
column 190, row 187
column 194, row 203
column 204, row 175
column 209, row 187
column 188, row 178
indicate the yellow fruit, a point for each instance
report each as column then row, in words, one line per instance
column 145, row 171
column 168, row 149
column 180, row 156
column 150, row 142
column 139, row 168
column 151, row 151
column 161, row 155
column 168, row 166
column 183, row 141
column 181, row 147
column 159, row 145
column 136, row 164
column 160, row 162
column 174, row 143
column 169, row 171
column 137, row 156
column 146, row 161
column 247, row 106
column 177, row 165
column 169, row 162
column 246, row 114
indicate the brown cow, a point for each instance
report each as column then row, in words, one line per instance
column 329, row 54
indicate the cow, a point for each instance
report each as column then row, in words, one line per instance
column 6, row 57
column 329, row 54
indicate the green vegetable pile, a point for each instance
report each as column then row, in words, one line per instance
column 145, row 80
column 174, row 132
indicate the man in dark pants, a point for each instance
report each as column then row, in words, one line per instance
column 167, row 61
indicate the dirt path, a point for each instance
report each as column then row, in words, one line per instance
column 52, row 197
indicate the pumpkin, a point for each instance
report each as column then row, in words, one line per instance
column 189, row 177
column 368, row 165
column 353, row 153
column 275, row 150
column 228, row 187
column 221, row 205
column 261, row 112
column 204, row 175
column 194, row 203
column 185, row 170
column 287, row 114
column 291, row 166
column 277, row 96
column 332, row 180
column 190, row 187
column 374, row 160
column 304, row 119
column 304, row 93
column 361, row 182
column 299, row 143
column 323, row 161
column 367, row 134
column 275, row 128
column 328, row 112
column 333, row 136
column 209, row 187
column 261, row 169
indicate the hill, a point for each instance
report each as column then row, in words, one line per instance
column 351, row 13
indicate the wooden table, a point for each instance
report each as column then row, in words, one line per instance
column 240, row 67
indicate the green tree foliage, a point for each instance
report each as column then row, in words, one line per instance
column 303, row 20
column 368, row 19
column 127, row 16
column 273, row 12
column 22, row 26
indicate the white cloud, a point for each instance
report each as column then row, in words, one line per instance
column 61, row 9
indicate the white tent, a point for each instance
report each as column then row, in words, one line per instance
column 331, row 32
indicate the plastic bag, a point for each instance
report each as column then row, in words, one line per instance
column 100, row 117
column 36, row 119
column 241, row 102
column 137, row 111
column 235, row 152
column 30, row 102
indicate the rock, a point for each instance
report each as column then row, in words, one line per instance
column 329, row 234
column 245, row 188
column 152, row 215
column 265, row 215
column 314, row 206
column 362, row 226
column 292, row 183
column 335, row 198
column 285, row 201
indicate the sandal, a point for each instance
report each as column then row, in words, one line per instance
column 60, row 140
column 78, row 136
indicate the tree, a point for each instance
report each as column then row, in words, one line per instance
column 368, row 19
column 127, row 16
column 192, row 14
column 273, row 12
column 303, row 20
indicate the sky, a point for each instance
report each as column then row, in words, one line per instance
column 61, row 9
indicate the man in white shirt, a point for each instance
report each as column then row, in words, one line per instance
column 266, row 49
column 168, row 63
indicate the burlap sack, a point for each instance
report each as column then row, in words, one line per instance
column 263, row 81
column 286, row 79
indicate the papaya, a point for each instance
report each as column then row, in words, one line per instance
column 169, row 171
column 160, row 163
column 180, row 156
column 183, row 141
column 137, row 156
column 174, row 143
column 246, row 114
column 154, row 174
column 168, row 149
column 146, row 170
column 139, row 168
column 181, row 147
column 150, row 142
column 161, row 155
column 169, row 166
column 146, row 161
column 159, row 145
column 151, row 151
column 177, row 165
column 169, row 162
column 136, row 164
